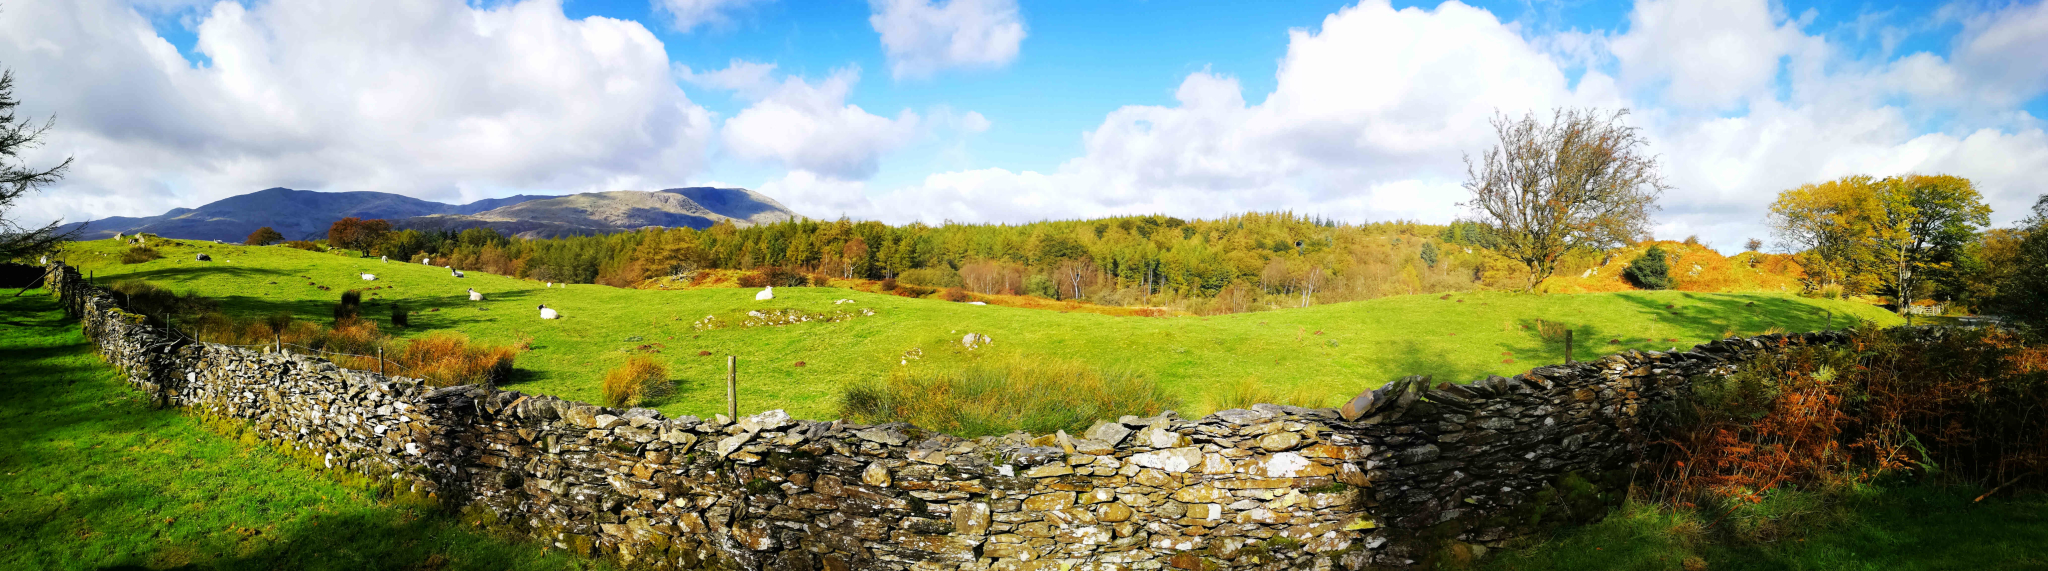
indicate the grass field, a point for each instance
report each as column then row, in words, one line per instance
column 1911, row 528
column 92, row 478
column 1328, row 352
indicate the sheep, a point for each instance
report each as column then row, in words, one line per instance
column 551, row 284
column 385, row 259
column 546, row 313
column 203, row 258
column 454, row 272
column 766, row 294
column 475, row 295
column 367, row 277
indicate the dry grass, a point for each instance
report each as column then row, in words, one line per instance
column 1249, row 391
column 999, row 396
column 633, row 383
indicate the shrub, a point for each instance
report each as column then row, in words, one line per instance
column 888, row 284
column 784, row 277
column 400, row 316
column 349, row 308
column 1429, row 253
column 264, row 236
column 907, row 290
column 1650, row 271
column 753, row 279
column 303, row 245
column 1001, row 395
column 140, row 254
column 631, row 384
column 940, row 277
column 1041, row 285
column 1830, row 291
column 955, row 294
column 448, row 359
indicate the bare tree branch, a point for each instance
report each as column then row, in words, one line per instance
column 1580, row 182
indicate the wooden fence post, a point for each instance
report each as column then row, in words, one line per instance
column 1831, row 320
column 732, row 380
column 1567, row 346
column 380, row 361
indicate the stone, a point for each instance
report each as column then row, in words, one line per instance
column 1114, row 512
column 1047, row 502
column 1093, row 447
column 1213, row 464
column 1110, row 433
column 1280, row 441
column 754, row 534
column 885, row 436
column 971, row 518
column 875, row 475
column 1174, row 460
column 728, row 445
column 1048, row 470
column 1157, row 436
column 1359, row 406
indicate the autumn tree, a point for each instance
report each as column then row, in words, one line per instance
column 1582, row 181
column 264, row 236
column 2024, row 283
column 1831, row 227
column 356, row 233
column 18, row 179
column 1927, row 222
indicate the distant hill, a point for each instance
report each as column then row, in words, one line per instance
column 305, row 214
column 599, row 212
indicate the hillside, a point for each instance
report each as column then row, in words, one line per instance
column 600, row 212
column 304, row 214
column 1327, row 352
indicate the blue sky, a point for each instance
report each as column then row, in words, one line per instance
column 1015, row 110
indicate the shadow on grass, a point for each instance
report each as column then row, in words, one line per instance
column 98, row 480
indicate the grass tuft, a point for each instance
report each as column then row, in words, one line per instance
column 631, row 384
column 999, row 395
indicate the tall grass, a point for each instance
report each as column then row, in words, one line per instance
column 140, row 254
column 999, row 395
column 633, row 383
column 1247, row 392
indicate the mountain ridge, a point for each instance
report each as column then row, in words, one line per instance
column 306, row 214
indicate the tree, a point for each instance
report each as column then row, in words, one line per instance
column 18, row 179
column 1832, row 227
column 1649, row 271
column 264, row 236
column 1429, row 254
column 1927, row 222
column 1753, row 245
column 1580, row 182
column 356, row 233
column 2020, row 293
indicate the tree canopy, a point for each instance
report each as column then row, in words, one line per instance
column 1582, row 181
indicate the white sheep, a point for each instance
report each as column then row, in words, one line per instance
column 455, row 272
column 385, row 259
column 551, row 284
column 368, row 277
column 475, row 295
column 766, row 294
column 546, row 313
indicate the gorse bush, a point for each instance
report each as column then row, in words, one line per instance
column 140, row 254
column 1650, row 271
column 633, row 383
column 1000, row 395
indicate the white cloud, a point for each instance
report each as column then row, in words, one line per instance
column 922, row 37
column 439, row 100
column 810, row 127
column 687, row 15
column 2002, row 52
column 1705, row 54
column 1372, row 112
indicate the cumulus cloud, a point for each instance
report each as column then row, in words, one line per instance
column 922, row 37
column 439, row 99
column 1373, row 111
column 810, row 127
column 687, row 15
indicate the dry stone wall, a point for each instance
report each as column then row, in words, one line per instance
column 1384, row 481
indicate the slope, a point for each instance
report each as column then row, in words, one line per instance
column 1329, row 352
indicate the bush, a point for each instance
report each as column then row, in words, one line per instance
column 955, row 294
column 753, row 279
column 999, row 396
column 932, row 277
column 784, row 277
column 303, row 245
column 140, row 254
column 400, row 316
column 907, row 290
column 1042, row 286
column 1650, row 271
column 888, row 284
column 631, row 384
column 448, row 359
column 350, row 307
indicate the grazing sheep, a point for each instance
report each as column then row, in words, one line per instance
column 385, row 259
column 766, row 294
column 368, row 277
column 551, row 284
column 455, row 272
column 203, row 258
column 546, row 313
column 475, row 295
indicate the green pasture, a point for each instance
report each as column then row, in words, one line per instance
column 1328, row 352
column 92, row 478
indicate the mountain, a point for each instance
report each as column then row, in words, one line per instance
column 600, row 212
column 305, row 214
